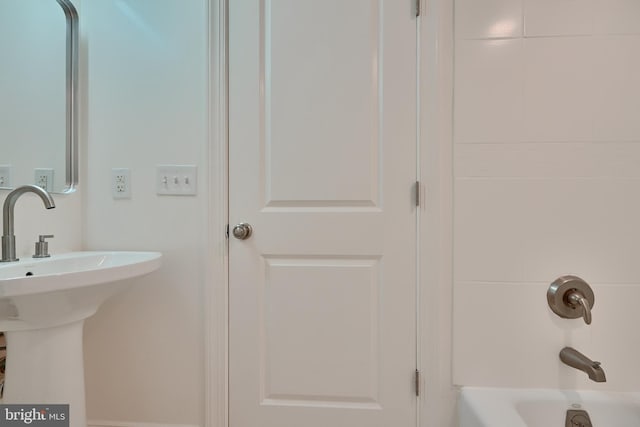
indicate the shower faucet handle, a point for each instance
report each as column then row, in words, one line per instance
column 576, row 299
column 571, row 297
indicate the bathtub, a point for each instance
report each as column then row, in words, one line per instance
column 495, row 407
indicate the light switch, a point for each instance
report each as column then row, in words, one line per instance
column 176, row 180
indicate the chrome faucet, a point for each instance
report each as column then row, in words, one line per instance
column 8, row 238
column 575, row 359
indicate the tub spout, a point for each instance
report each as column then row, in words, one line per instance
column 575, row 359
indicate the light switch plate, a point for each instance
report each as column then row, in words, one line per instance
column 176, row 180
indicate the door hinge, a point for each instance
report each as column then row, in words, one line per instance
column 417, row 383
column 227, row 231
column 417, row 195
column 418, row 7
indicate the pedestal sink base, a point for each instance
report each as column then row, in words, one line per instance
column 43, row 305
column 45, row 366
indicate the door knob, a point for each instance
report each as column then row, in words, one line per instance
column 242, row 231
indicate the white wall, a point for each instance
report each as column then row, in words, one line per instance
column 147, row 105
column 546, row 168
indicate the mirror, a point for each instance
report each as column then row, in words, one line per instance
column 38, row 92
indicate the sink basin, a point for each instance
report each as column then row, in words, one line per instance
column 74, row 269
column 43, row 305
column 46, row 292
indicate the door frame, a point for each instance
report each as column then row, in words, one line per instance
column 216, row 276
column 435, row 301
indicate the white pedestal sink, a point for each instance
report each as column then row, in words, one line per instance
column 43, row 305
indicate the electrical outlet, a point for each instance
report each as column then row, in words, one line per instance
column 43, row 178
column 176, row 180
column 121, row 183
column 5, row 176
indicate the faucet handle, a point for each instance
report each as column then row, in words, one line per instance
column 42, row 246
column 577, row 299
column 570, row 297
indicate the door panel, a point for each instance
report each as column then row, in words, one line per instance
column 321, row 102
column 319, row 350
column 322, row 146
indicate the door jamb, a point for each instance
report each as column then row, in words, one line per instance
column 216, row 296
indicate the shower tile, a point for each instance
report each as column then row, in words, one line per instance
column 559, row 89
column 489, row 231
column 603, row 159
column 617, row 16
column 532, row 230
column 617, row 93
column 488, row 19
column 558, row 17
column 489, row 89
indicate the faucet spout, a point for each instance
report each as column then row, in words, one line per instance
column 572, row 357
column 8, row 237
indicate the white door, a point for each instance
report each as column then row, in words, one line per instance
column 322, row 146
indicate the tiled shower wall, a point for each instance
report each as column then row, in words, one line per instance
column 547, row 182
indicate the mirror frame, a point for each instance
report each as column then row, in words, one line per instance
column 71, row 167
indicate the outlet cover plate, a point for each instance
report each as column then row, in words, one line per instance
column 5, row 176
column 43, row 178
column 121, row 183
